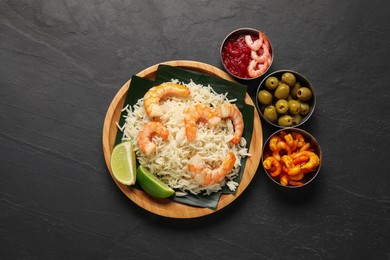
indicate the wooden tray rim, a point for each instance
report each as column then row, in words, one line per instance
column 167, row 207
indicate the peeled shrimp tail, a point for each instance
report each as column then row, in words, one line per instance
column 146, row 134
column 206, row 176
column 207, row 114
column 227, row 110
column 155, row 94
column 273, row 166
column 260, row 59
column 194, row 114
column 313, row 162
column 265, row 55
column 259, row 64
column 253, row 45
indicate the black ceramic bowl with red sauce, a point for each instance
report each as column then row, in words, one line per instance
column 236, row 54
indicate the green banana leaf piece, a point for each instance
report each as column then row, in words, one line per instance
column 139, row 86
column 235, row 90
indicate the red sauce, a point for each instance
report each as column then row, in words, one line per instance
column 236, row 55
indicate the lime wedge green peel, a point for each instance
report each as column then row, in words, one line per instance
column 153, row 185
column 123, row 163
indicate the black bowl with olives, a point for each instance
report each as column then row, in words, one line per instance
column 285, row 98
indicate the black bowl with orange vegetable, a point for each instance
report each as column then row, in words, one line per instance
column 291, row 158
column 285, row 98
column 246, row 54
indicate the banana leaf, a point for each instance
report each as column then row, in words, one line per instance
column 139, row 86
column 235, row 90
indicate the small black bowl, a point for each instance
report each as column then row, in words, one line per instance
column 304, row 83
column 236, row 33
column 314, row 147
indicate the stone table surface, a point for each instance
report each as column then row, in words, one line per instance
column 61, row 64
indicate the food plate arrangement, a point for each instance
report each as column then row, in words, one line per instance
column 169, row 207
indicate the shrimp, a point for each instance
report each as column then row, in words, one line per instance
column 299, row 139
column 262, row 67
column 313, row 162
column 146, row 134
column 296, row 140
column 295, row 183
column 199, row 112
column 296, row 177
column 254, row 72
column 283, row 146
column 254, row 45
column 206, row 176
column 284, row 180
column 273, row 145
column 155, row 94
column 290, row 167
column 262, row 58
column 266, row 55
column 305, row 147
column 252, row 69
column 273, row 166
column 227, row 110
column 277, row 146
column 300, row 160
column 287, row 160
column 290, row 141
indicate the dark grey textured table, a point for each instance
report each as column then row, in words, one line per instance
column 62, row 62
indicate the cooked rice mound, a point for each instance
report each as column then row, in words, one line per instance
column 169, row 162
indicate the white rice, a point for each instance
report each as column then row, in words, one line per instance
column 169, row 162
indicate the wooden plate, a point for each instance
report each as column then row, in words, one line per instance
column 167, row 207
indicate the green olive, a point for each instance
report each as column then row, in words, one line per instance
column 281, row 106
column 304, row 94
column 296, row 119
column 282, row 91
column 264, row 97
column 285, row 120
column 294, row 89
column 289, row 78
column 270, row 114
column 305, row 108
column 271, row 83
column 294, row 107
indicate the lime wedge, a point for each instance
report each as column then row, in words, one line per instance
column 153, row 185
column 123, row 163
